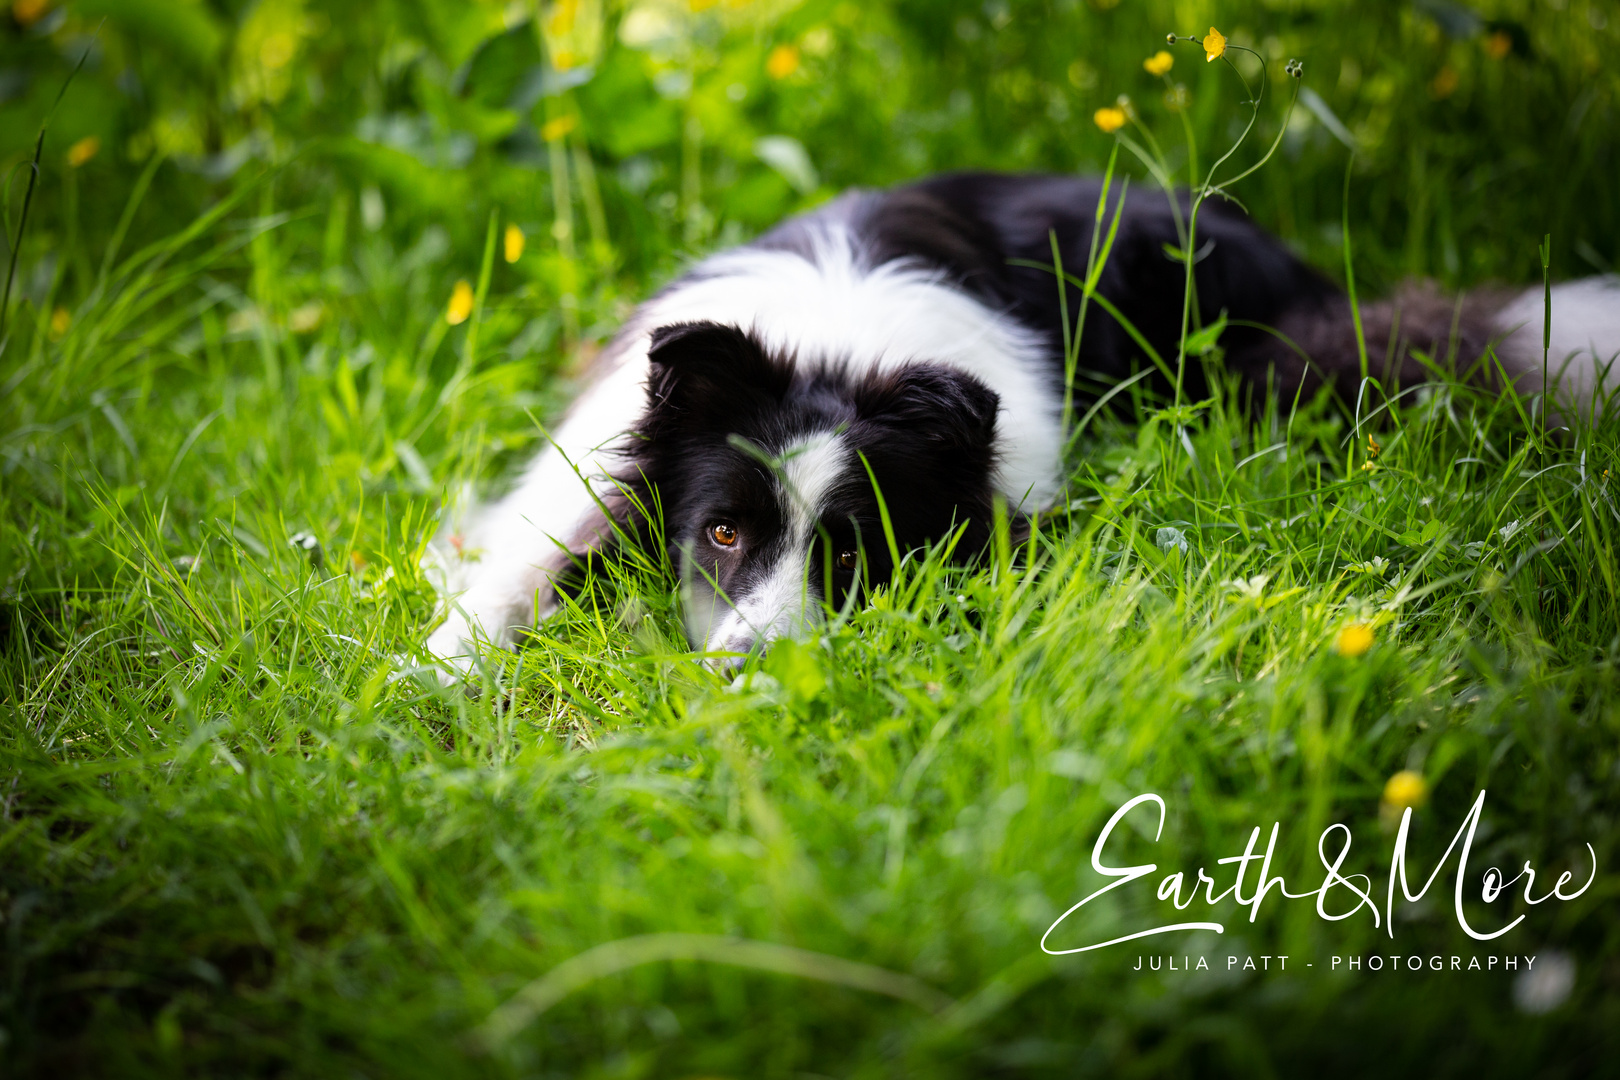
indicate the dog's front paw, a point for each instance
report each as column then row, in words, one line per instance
column 454, row 648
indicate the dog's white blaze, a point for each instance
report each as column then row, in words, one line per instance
column 812, row 469
column 1585, row 337
column 781, row 604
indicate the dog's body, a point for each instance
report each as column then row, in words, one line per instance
column 902, row 337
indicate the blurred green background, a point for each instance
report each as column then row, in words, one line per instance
column 622, row 137
column 240, row 315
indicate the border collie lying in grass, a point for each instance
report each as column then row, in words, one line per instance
column 899, row 338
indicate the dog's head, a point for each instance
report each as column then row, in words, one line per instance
column 764, row 468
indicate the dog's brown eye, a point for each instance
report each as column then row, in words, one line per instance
column 848, row 559
column 723, row 533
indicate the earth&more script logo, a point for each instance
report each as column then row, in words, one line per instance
column 1338, row 897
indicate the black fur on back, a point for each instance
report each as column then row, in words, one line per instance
column 979, row 227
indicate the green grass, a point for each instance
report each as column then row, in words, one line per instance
column 241, row 834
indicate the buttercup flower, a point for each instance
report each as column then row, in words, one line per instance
column 60, row 321
column 1159, row 63
column 1214, row 45
column 783, row 61
column 558, row 126
column 512, row 244
column 1406, row 788
column 27, row 12
column 1109, row 119
column 461, row 303
column 83, row 150
column 1354, row 640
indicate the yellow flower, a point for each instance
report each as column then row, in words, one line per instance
column 27, row 12
column 1354, row 640
column 558, row 126
column 1110, row 119
column 1214, row 45
column 512, row 246
column 1372, row 447
column 1406, row 788
column 83, row 150
column 561, row 20
column 1159, row 63
column 783, row 61
column 1444, row 83
column 461, row 303
column 60, row 321
column 1498, row 45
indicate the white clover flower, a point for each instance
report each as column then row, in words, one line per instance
column 1169, row 537
column 1546, row 985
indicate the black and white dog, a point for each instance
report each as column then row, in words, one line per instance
column 899, row 338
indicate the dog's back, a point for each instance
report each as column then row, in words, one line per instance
column 994, row 234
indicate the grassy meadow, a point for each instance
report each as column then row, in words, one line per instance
column 291, row 276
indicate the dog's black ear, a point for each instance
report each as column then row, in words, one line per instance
column 705, row 372
column 928, row 433
column 948, row 408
